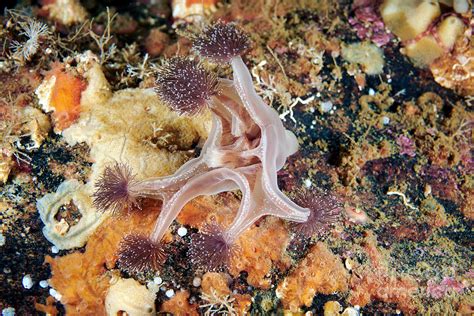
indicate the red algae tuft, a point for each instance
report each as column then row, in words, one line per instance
column 375, row 281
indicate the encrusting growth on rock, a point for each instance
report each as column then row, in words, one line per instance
column 246, row 147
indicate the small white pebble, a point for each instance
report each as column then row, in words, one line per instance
column 389, row 80
column 27, row 282
column 371, row 91
column 311, row 109
column 169, row 293
column 54, row 249
column 9, row 311
column 351, row 311
column 326, row 106
column 385, row 120
column 44, row 284
column 2, row 240
column 461, row 6
column 197, row 282
column 55, row 294
column 157, row 280
column 182, row 231
column 307, row 183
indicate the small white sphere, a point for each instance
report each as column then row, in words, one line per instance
column 55, row 294
column 27, row 282
column 157, row 280
column 182, row 231
column 197, row 282
column 44, row 284
column 169, row 293
column 461, row 6
column 2, row 240
column 351, row 311
column 9, row 311
column 326, row 106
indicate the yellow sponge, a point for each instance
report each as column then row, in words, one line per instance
column 407, row 19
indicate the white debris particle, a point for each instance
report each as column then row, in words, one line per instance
column 182, row 231
column 461, row 6
column 2, row 240
column 157, row 280
column 169, row 293
column 326, row 106
column 197, row 282
column 307, row 183
column 351, row 311
column 371, row 92
column 27, row 282
column 55, row 294
column 385, row 120
column 9, row 311
column 44, row 284
column 54, row 249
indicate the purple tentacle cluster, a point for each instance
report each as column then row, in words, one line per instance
column 246, row 147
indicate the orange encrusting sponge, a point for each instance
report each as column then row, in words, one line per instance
column 66, row 98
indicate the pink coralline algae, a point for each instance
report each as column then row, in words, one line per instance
column 448, row 284
column 246, row 147
column 368, row 24
column 407, row 146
